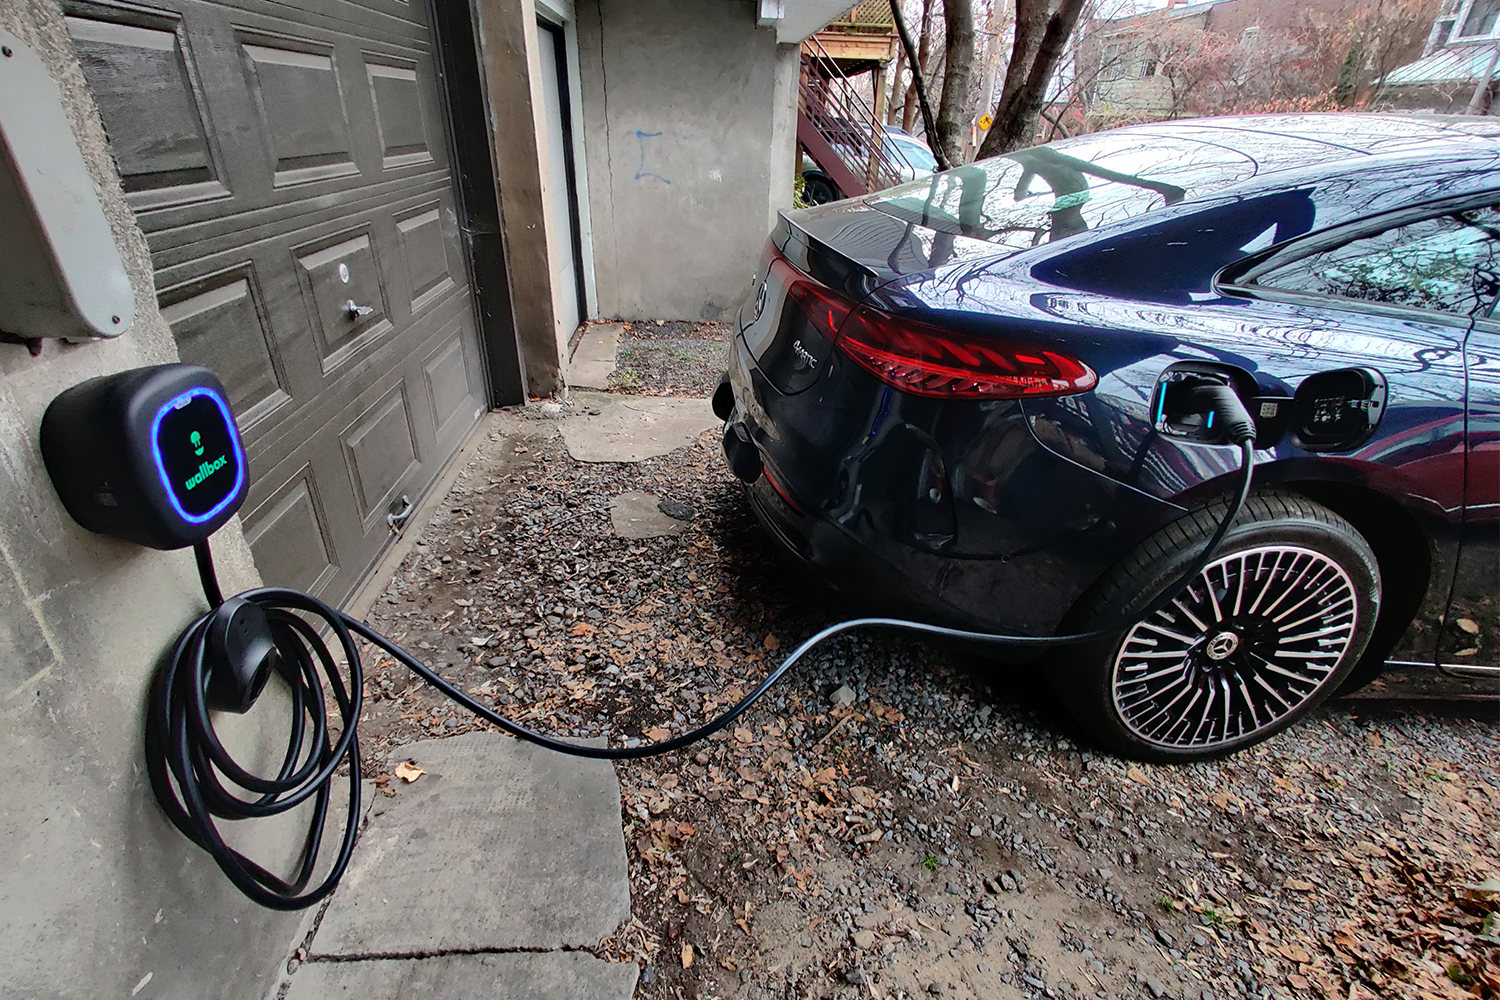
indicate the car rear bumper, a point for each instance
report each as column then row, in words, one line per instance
column 950, row 510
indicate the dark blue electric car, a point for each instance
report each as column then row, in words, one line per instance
column 956, row 396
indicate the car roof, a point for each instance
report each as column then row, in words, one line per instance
column 1356, row 133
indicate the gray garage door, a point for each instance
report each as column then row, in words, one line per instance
column 289, row 167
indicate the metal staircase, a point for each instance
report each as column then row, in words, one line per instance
column 839, row 130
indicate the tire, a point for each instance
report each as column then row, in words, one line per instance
column 818, row 189
column 1287, row 564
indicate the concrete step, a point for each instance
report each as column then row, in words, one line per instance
column 520, row 976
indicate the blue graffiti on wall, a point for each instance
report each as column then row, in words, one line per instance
column 641, row 172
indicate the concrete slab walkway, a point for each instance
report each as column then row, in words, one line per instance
column 593, row 361
column 611, row 428
column 490, row 872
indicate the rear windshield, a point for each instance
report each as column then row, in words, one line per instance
column 1047, row 193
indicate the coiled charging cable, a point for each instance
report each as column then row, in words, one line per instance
column 198, row 782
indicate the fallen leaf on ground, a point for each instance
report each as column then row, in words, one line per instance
column 687, row 956
column 1469, row 625
column 657, row 733
column 1137, row 775
column 773, row 643
column 1298, row 885
column 408, row 771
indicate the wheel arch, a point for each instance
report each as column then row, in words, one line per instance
column 1402, row 552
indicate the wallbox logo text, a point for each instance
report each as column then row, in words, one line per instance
column 207, row 469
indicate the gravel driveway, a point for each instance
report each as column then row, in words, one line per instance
column 899, row 820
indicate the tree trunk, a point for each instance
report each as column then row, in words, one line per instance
column 953, row 107
column 1040, row 40
column 894, row 107
column 909, row 112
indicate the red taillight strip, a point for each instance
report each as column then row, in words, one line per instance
column 942, row 382
column 928, row 361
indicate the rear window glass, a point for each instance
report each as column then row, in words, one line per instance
column 1047, row 193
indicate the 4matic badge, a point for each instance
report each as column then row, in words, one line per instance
column 805, row 360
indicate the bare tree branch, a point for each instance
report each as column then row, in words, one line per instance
column 917, row 81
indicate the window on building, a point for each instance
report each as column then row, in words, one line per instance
column 1481, row 18
column 1448, row 264
column 1441, row 30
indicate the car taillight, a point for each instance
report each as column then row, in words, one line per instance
column 928, row 361
column 824, row 308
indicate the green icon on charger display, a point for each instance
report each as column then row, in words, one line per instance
column 197, row 440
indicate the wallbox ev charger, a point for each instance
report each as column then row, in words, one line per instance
column 153, row 456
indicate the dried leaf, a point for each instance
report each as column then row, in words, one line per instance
column 687, row 956
column 1138, row 776
column 1298, row 885
column 582, row 628
column 408, row 771
column 773, row 643
column 657, row 733
column 1469, row 625
column 521, row 449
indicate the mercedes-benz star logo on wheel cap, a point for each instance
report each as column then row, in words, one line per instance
column 1222, row 646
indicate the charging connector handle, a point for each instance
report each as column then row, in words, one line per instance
column 1229, row 418
column 188, row 765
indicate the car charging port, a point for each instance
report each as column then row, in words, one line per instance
column 1338, row 410
column 1201, row 404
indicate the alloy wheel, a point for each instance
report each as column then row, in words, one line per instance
column 1255, row 636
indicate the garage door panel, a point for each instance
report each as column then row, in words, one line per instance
column 142, row 79
column 299, row 102
column 359, row 386
column 219, row 321
column 288, row 536
column 381, row 449
column 170, row 246
column 400, row 122
column 450, row 395
column 426, row 252
column 343, row 292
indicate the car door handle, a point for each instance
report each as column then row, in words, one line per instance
column 355, row 311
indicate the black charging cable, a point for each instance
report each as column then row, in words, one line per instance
column 223, row 659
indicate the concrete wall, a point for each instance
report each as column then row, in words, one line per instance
column 689, row 123
column 102, row 897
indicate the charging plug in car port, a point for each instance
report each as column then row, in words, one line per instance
column 1212, row 404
